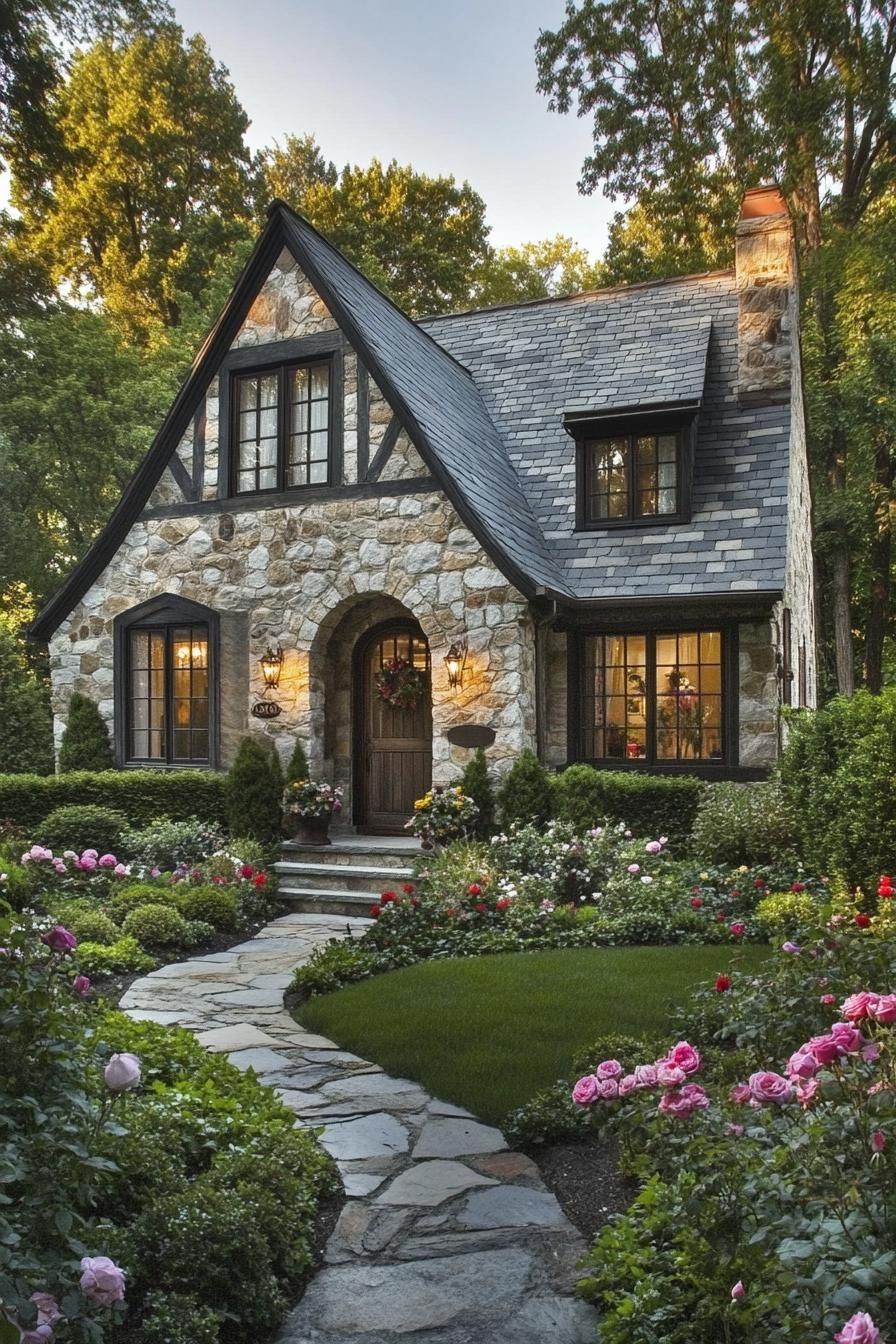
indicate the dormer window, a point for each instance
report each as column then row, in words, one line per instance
column 282, row 428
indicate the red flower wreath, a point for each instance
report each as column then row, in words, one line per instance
column 400, row 684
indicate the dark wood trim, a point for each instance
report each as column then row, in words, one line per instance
column 640, row 416
column 363, row 421
column 290, row 499
column 295, row 350
column 666, row 613
column 384, row 452
column 182, row 477
column 199, row 428
column 684, row 429
column 167, row 609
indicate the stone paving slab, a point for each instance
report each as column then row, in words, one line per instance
column 446, row 1237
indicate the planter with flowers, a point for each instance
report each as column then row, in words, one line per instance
column 312, row 805
column 443, row 814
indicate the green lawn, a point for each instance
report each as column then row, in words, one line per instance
column 487, row 1032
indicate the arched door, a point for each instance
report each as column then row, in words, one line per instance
column 393, row 758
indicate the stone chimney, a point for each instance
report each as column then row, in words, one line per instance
column 765, row 267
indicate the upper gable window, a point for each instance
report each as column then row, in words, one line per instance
column 283, row 424
column 631, row 478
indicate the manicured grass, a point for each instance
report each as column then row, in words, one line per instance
column 487, row 1032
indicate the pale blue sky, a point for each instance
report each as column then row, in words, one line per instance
column 447, row 85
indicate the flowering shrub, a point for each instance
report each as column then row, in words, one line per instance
column 443, row 814
column 305, row 798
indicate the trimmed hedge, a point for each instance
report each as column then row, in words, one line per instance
column 142, row 795
column 650, row 805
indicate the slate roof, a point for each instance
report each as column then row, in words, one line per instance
column 672, row 341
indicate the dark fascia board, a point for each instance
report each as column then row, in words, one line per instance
column 742, row 604
column 175, row 424
column 575, row 421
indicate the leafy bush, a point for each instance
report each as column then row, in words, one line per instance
column 216, row 906
column 647, row 804
column 79, row 827
column 122, row 956
column 476, row 783
column 524, row 797
column 156, row 926
column 165, row 844
column 131, row 897
column 549, row 1117
column 334, row 964
column 85, row 741
column 836, row 777
column 26, row 722
column 743, row 823
column 298, row 764
column 16, row 886
column 141, row 795
column 92, row 926
column 254, row 793
column 178, row 1318
column 784, row 912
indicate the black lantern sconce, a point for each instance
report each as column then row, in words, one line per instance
column 271, row 667
column 455, row 660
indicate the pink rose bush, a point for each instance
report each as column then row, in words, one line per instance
column 102, row 1282
column 859, row 1329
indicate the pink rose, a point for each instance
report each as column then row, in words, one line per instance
column 645, row 1076
column 848, row 1037
column 740, row 1094
column 59, row 867
column 871, row 1052
column 41, row 1334
column 102, row 1282
column 607, row 1089
column 878, row 1141
column 634, row 869
column 122, row 1072
column 733, row 1130
column 609, row 1068
column 807, row 1091
column 81, row 985
column 828, row 999
column 86, row 863
column 627, row 1084
column 884, row 1009
column 859, row 1329
column 90, row 854
column 769, row 1089
column 155, row 872
column 738, row 929
column 585, row 1090
column 683, row 1100
column 858, row 1006
column 48, row 1312
column 59, row 940
column 669, row 1075
column 738, row 1291
column 108, row 861
column 802, row 1064
column 825, row 1048
column 653, row 847
column 792, row 948
column 684, row 1056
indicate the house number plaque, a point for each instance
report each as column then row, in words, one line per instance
column 266, row 709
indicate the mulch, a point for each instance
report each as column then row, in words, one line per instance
column 586, row 1179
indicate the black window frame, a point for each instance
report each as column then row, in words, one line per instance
column 166, row 613
column 652, row 764
column 280, row 358
column 589, row 428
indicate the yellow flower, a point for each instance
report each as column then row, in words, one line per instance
column 704, row 877
column 743, row 868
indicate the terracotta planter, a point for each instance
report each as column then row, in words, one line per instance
column 313, row 830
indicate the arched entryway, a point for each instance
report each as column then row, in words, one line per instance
column 393, row 746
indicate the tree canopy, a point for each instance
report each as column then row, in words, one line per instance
column 535, row 271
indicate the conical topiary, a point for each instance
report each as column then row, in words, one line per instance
column 85, row 742
column 476, row 784
column 254, row 793
column 298, row 763
column 525, row 795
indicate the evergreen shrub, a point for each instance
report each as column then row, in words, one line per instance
column 156, row 926
column 743, row 823
column 650, row 805
column 476, row 784
column 140, row 795
column 85, row 742
column 255, row 793
column 525, row 793
column 86, row 826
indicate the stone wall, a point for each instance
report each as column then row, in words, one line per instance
column 767, row 317
column 758, row 695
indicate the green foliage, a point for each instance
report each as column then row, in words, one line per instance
column 122, row 956
column 17, row 889
column 836, row 778
column 254, row 793
column 92, row 926
column 156, row 926
column 130, row 896
column 476, row 784
column 649, row 805
column 743, row 823
column 79, row 827
column 334, row 964
column 783, row 913
column 550, row 1117
column 525, row 792
column 26, row 724
column 164, row 843
column 629, row 1050
column 179, row 1318
column 298, row 763
column 85, row 741
column 540, row 270
column 141, row 795
column 214, row 905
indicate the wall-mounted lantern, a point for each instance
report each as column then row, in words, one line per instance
column 455, row 659
column 271, row 667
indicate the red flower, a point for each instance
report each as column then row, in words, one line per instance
column 797, row 886
column 451, row 910
column 723, row 982
column 261, row 880
column 408, row 888
column 758, row 883
column 885, row 889
column 502, row 902
column 734, row 893
column 696, row 903
column 247, row 870
column 388, row 897
column 738, row 929
column 721, row 916
column 481, row 908
column 863, row 921
column 375, row 911
column 474, row 889
column 414, row 901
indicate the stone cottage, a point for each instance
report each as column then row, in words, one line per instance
column 580, row 525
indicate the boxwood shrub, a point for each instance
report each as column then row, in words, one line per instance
column 142, row 795
column 82, row 826
column 650, row 805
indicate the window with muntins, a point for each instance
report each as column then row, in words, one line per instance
column 282, row 431
column 168, row 694
column 631, row 477
column 654, row 698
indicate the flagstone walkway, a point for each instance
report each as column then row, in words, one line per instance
column 446, row 1235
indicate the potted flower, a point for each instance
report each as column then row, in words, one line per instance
column 441, row 815
column 312, row 805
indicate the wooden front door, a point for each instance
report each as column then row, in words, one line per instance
column 394, row 755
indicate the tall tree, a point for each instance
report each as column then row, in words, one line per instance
column 695, row 101
column 535, row 271
column 421, row 239
column 153, row 181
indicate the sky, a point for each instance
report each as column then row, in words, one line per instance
column 446, row 85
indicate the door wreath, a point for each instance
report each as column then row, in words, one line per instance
column 400, row 684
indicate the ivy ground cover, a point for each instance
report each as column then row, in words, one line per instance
column 488, row 1033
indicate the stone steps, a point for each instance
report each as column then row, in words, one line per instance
column 344, row 878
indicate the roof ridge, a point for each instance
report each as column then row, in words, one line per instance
column 626, row 288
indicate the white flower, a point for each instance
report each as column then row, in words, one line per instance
column 646, row 880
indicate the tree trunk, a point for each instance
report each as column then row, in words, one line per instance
column 881, row 548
